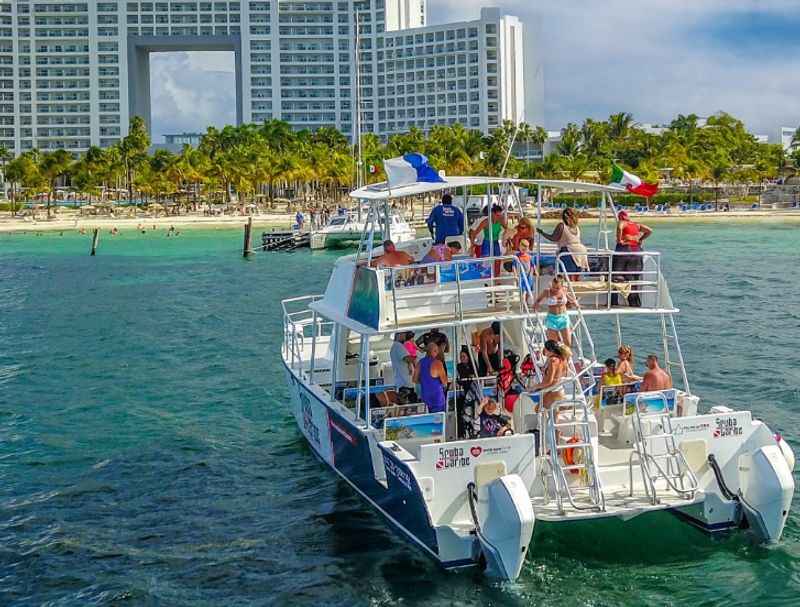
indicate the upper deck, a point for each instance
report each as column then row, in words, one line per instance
column 468, row 290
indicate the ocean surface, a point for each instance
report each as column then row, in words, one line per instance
column 147, row 456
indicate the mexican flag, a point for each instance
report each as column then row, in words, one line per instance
column 632, row 183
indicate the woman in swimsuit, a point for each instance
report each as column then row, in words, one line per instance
column 558, row 357
column 557, row 320
column 627, row 268
column 625, row 364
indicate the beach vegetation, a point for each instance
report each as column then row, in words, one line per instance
column 265, row 163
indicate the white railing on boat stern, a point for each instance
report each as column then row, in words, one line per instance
column 606, row 281
column 295, row 323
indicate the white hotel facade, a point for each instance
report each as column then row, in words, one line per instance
column 73, row 73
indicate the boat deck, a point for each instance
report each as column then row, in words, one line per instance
column 619, row 504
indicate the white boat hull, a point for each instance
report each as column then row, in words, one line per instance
column 414, row 496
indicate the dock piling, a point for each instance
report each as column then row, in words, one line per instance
column 248, row 229
column 95, row 241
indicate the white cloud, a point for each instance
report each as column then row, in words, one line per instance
column 655, row 59
column 191, row 91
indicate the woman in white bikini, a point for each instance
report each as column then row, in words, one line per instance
column 557, row 320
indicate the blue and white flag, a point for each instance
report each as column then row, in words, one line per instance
column 410, row 168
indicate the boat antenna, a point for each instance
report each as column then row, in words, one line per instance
column 360, row 177
column 510, row 147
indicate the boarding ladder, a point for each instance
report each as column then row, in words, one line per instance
column 657, row 453
column 569, row 415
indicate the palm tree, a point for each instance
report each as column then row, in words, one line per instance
column 133, row 150
column 53, row 166
column 570, row 144
column 619, row 125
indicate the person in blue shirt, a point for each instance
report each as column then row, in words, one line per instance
column 445, row 220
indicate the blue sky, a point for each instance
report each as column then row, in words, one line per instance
column 654, row 58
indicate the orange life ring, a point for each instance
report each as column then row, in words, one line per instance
column 569, row 454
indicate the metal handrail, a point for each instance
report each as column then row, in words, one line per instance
column 609, row 274
column 581, row 319
column 438, row 265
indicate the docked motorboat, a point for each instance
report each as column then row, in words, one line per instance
column 348, row 227
column 597, row 453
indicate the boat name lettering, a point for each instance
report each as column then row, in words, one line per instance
column 308, row 419
column 396, row 471
column 727, row 426
column 686, row 429
column 452, row 457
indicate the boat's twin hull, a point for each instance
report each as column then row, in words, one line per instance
column 393, row 489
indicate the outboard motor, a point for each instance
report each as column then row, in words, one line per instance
column 766, row 489
column 504, row 520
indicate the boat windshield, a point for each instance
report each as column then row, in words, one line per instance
column 338, row 221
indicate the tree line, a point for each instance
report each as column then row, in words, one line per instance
column 271, row 160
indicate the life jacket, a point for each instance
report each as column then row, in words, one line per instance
column 527, row 368
column 506, row 375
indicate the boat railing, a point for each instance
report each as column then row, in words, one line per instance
column 442, row 287
column 297, row 319
column 610, row 278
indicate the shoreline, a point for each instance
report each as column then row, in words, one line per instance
column 182, row 222
column 284, row 221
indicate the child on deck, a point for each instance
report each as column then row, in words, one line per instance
column 610, row 377
column 527, row 270
column 492, row 423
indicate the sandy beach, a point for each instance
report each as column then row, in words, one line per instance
column 63, row 222
column 68, row 221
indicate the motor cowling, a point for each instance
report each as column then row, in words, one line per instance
column 766, row 490
column 788, row 454
column 505, row 525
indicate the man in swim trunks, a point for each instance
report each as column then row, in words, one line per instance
column 655, row 378
column 489, row 360
column 391, row 257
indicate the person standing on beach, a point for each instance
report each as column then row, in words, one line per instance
column 445, row 220
column 627, row 268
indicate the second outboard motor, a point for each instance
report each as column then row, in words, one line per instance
column 504, row 524
column 767, row 487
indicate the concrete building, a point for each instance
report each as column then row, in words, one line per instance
column 73, row 73
column 786, row 137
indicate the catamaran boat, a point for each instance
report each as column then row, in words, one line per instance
column 597, row 453
column 348, row 227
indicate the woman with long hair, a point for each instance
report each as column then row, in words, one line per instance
column 557, row 320
column 567, row 235
column 558, row 356
column 625, row 364
column 627, row 268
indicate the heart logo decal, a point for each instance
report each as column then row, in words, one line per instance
column 476, row 451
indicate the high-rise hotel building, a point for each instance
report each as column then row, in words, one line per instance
column 73, row 73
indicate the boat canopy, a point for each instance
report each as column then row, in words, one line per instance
column 382, row 191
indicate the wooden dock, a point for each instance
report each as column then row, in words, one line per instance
column 285, row 240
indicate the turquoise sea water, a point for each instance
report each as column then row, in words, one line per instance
column 147, row 456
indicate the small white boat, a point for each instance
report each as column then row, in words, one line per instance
column 347, row 228
column 597, row 453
